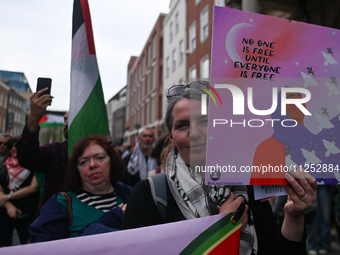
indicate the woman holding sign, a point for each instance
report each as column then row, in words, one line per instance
column 188, row 197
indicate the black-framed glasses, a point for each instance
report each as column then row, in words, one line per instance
column 3, row 143
column 177, row 89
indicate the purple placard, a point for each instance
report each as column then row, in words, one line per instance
column 169, row 238
column 248, row 132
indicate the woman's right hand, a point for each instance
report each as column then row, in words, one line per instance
column 123, row 207
column 3, row 199
column 232, row 204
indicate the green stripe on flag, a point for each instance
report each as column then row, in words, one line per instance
column 211, row 236
column 91, row 119
column 52, row 124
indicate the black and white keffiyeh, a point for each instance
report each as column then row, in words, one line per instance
column 195, row 199
column 137, row 163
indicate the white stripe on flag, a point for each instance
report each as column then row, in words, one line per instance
column 54, row 118
column 84, row 73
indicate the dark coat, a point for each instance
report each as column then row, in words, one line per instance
column 53, row 222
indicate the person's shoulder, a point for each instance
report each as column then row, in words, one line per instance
column 127, row 157
column 144, row 185
column 142, row 188
column 53, row 209
column 122, row 186
column 61, row 198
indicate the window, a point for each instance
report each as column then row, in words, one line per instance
column 177, row 23
column 192, row 37
column 161, row 48
column 171, row 32
column 139, row 70
column 147, row 83
column 1, row 95
column 153, row 77
column 181, row 51
column 148, row 55
column 141, row 117
column 197, row 2
column 205, row 68
column 143, row 63
column 127, row 112
column 153, row 108
column 167, row 66
column 204, row 21
column 220, row 3
column 146, row 112
column 192, row 73
column 160, row 76
column 142, row 93
column 174, row 60
column 135, row 117
column 154, row 46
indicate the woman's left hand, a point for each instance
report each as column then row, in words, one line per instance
column 12, row 210
column 301, row 192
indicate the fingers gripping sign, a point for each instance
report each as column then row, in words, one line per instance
column 232, row 205
column 301, row 192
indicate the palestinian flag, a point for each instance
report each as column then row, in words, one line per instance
column 220, row 238
column 87, row 114
column 52, row 120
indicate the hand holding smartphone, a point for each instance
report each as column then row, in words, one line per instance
column 44, row 83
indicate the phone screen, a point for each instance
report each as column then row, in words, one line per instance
column 44, row 83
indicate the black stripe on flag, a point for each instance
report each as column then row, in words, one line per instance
column 78, row 18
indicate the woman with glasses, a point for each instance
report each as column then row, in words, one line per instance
column 98, row 200
column 19, row 197
column 188, row 197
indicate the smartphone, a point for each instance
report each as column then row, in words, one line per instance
column 21, row 215
column 44, row 83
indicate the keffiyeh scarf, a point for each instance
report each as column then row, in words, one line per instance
column 137, row 163
column 195, row 199
column 17, row 174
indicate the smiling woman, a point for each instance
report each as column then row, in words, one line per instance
column 97, row 198
column 188, row 197
column 189, row 132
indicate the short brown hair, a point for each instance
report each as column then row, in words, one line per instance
column 72, row 179
column 10, row 143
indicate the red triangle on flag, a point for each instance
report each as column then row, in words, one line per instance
column 43, row 119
